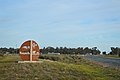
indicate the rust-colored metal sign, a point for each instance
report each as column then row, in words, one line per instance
column 29, row 51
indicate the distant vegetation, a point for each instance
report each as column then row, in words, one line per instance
column 65, row 50
column 8, row 50
column 115, row 51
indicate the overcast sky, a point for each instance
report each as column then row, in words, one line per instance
column 70, row 23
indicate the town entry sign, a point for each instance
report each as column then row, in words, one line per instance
column 29, row 51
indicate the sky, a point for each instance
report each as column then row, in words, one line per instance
column 70, row 23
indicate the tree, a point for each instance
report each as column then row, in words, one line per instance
column 95, row 51
column 104, row 53
column 115, row 51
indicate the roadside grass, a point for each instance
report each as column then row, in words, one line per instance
column 59, row 67
column 97, row 72
column 112, row 56
column 9, row 58
column 74, row 59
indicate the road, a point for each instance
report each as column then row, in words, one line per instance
column 108, row 61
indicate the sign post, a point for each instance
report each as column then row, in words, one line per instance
column 31, row 50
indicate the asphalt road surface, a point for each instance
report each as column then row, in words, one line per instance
column 108, row 61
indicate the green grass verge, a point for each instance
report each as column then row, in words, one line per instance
column 63, row 67
column 112, row 56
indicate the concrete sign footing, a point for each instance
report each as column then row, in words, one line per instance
column 30, row 61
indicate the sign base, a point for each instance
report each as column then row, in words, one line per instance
column 30, row 61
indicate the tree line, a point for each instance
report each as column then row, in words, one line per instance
column 8, row 50
column 65, row 50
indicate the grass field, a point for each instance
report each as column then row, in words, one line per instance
column 56, row 67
